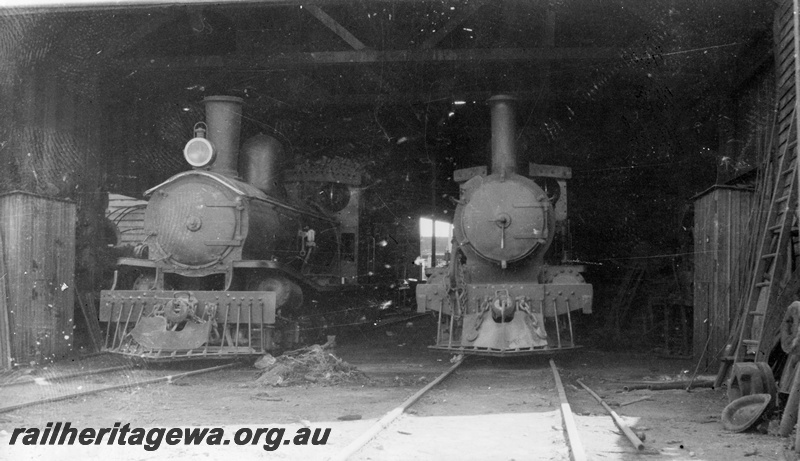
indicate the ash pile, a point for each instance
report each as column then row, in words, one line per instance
column 310, row 365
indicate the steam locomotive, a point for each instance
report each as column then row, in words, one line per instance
column 498, row 296
column 229, row 262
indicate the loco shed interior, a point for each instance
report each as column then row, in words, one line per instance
column 228, row 179
column 646, row 103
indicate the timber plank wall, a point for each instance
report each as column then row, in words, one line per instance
column 39, row 240
column 720, row 237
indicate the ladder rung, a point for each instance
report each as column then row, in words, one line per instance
column 750, row 342
column 763, row 284
column 769, row 255
column 788, row 170
column 783, row 199
column 755, row 313
column 775, row 227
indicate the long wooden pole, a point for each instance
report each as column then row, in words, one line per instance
column 617, row 420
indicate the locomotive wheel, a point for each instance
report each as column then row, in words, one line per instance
column 288, row 295
column 145, row 282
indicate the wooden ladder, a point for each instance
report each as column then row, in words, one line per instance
column 773, row 249
column 625, row 296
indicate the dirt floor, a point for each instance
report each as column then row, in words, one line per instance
column 487, row 394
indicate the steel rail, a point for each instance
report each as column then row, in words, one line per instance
column 573, row 439
column 143, row 382
column 67, row 376
column 387, row 419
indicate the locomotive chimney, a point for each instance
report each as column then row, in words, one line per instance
column 504, row 135
column 224, row 120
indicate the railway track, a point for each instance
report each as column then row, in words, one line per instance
column 478, row 410
column 54, row 387
column 540, row 425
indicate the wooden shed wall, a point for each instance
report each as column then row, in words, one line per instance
column 720, row 235
column 39, row 237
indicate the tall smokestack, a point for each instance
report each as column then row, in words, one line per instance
column 224, row 121
column 504, row 135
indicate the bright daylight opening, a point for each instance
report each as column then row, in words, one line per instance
column 443, row 235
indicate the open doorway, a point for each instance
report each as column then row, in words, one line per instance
column 434, row 243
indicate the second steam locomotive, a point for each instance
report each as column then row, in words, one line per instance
column 498, row 296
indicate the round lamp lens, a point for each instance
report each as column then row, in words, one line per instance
column 198, row 152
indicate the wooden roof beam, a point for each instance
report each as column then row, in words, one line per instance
column 17, row 7
column 366, row 56
column 334, row 26
column 406, row 97
column 450, row 25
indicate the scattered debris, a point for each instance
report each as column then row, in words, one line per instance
column 265, row 396
column 265, row 362
column 705, row 419
column 349, row 418
column 640, row 399
column 313, row 364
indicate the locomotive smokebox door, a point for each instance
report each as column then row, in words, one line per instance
column 502, row 294
column 194, row 222
column 505, row 221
